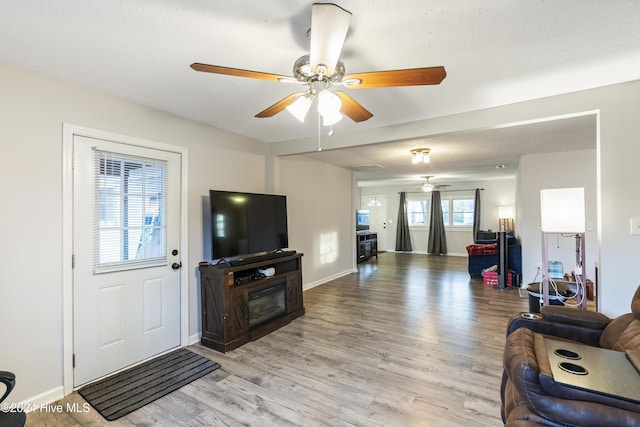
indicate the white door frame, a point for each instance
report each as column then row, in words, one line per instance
column 385, row 230
column 68, row 133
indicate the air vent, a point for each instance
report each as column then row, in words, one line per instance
column 367, row 168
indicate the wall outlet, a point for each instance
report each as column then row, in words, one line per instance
column 635, row 226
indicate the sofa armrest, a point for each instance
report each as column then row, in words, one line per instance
column 542, row 324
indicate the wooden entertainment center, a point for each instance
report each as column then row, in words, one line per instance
column 241, row 304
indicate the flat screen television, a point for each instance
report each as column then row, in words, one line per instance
column 363, row 220
column 246, row 224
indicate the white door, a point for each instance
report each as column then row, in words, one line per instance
column 377, row 207
column 126, row 235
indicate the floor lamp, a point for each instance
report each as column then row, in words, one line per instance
column 562, row 211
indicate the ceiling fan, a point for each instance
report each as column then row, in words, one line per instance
column 428, row 187
column 322, row 69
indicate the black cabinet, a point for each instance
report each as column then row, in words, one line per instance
column 367, row 245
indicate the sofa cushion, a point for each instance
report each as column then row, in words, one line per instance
column 611, row 337
column 635, row 303
column 629, row 338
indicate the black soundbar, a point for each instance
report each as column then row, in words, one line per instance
column 259, row 258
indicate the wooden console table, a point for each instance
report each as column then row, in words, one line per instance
column 228, row 292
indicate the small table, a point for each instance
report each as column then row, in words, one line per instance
column 601, row 370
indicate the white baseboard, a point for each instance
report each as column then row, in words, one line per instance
column 41, row 401
column 324, row 280
column 427, row 253
column 194, row 339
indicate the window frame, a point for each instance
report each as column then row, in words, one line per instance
column 426, row 199
column 112, row 178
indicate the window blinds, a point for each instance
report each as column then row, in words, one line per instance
column 129, row 212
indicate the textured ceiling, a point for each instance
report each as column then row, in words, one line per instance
column 495, row 52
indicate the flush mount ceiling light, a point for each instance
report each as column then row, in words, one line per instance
column 420, row 155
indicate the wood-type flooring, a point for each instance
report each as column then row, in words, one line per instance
column 408, row 340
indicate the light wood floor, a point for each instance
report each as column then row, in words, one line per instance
column 409, row 340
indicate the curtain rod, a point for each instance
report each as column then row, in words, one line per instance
column 442, row 191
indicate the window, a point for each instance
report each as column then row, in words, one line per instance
column 417, row 212
column 456, row 212
column 129, row 211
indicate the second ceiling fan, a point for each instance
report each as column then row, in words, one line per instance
column 322, row 69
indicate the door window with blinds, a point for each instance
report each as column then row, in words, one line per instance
column 129, row 212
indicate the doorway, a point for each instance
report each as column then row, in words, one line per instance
column 377, row 207
column 125, row 295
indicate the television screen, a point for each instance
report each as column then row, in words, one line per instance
column 247, row 223
column 362, row 219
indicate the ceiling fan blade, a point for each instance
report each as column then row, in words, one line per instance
column 329, row 26
column 279, row 106
column 216, row 69
column 407, row 77
column 352, row 109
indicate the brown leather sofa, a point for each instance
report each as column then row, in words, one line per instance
column 529, row 394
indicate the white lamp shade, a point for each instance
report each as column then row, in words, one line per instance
column 300, row 107
column 331, row 118
column 562, row 210
column 505, row 212
column 329, row 105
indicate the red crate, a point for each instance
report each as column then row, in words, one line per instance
column 490, row 278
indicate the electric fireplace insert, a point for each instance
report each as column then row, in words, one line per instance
column 267, row 304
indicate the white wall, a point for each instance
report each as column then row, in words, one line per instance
column 617, row 151
column 33, row 109
column 320, row 216
column 556, row 170
column 495, row 193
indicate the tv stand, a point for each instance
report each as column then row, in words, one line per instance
column 367, row 245
column 231, row 313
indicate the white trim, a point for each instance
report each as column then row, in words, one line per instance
column 40, row 401
column 324, row 280
column 68, row 133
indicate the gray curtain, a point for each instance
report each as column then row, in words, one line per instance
column 437, row 238
column 476, row 215
column 403, row 239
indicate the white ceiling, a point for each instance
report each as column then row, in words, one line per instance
column 495, row 52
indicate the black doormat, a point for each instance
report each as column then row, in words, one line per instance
column 122, row 393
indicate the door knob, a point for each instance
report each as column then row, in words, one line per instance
column 176, row 266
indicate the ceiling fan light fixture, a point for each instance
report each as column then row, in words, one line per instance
column 328, row 102
column 420, row 155
column 329, row 105
column 300, row 107
column 427, row 187
column 331, row 119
